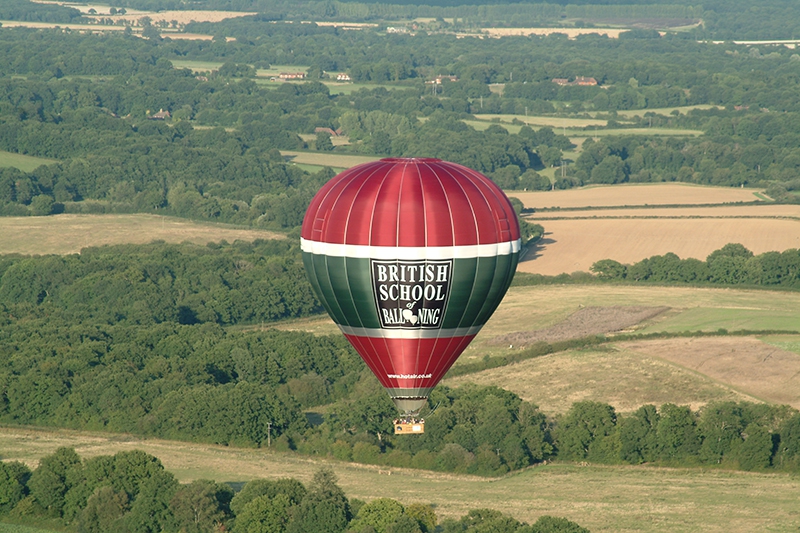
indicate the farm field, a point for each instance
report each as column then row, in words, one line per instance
column 602, row 498
column 554, row 122
column 635, row 195
column 25, row 163
column 67, row 234
column 327, row 158
column 628, row 374
column 576, row 237
column 574, row 245
column 630, row 113
column 661, row 132
column 620, row 377
column 612, row 33
column 763, row 210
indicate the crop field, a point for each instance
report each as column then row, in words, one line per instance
column 635, row 195
column 763, row 210
column 622, row 499
column 66, row 234
column 327, row 158
column 574, row 245
column 26, row 163
column 576, row 236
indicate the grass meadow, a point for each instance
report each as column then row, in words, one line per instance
column 618, row 499
column 25, row 163
column 322, row 159
column 66, row 234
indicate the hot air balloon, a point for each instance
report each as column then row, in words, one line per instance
column 410, row 257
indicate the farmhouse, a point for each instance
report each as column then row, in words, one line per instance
column 579, row 80
column 332, row 132
column 161, row 115
column 342, row 76
column 292, row 76
column 438, row 79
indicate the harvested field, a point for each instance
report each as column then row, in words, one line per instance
column 635, row 195
column 584, row 323
column 746, row 364
column 574, row 245
column 622, row 378
column 183, row 17
column 67, row 234
column 612, row 33
column 764, row 210
column 604, row 499
column 326, row 158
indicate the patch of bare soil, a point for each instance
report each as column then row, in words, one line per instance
column 583, row 323
column 744, row 363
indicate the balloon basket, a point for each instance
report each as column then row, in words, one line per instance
column 409, row 427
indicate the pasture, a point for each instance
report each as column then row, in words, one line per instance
column 25, row 163
column 67, row 234
column 691, row 371
column 328, row 159
column 620, row 499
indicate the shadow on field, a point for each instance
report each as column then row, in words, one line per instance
column 533, row 251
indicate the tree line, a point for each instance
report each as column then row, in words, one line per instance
column 131, row 492
column 733, row 264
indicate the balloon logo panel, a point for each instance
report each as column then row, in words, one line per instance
column 410, row 257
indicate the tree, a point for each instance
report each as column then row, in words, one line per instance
column 102, row 510
column 377, row 514
column 424, row 515
column 42, row 205
column 609, row 269
column 265, row 514
column 324, row 509
column 583, row 425
column 756, row 450
column 677, row 433
column 323, row 142
column 48, row 483
column 201, row 507
column 638, row 435
column 14, row 477
column 552, row 524
column 610, row 170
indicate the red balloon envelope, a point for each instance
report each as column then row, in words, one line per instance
column 410, row 257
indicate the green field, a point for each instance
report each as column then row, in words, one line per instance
column 26, row 163
column 619, row 499
column 16, row 528
column 326, row 158
column 715, row 318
